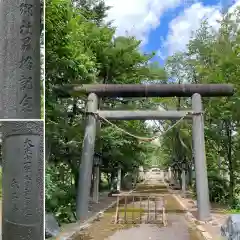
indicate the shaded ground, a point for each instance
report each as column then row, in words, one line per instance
column 177, row 225
column 104, row 201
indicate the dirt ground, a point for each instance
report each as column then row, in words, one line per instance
column 105, row 228
column 177, row 227
column 68, row 229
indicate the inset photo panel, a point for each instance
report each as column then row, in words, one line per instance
column 22, row 113
column 22, row 175
column 21, row 59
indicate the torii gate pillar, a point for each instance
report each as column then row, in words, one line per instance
column 86, row 165
column 203, row 203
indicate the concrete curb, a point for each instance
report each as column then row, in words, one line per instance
column 189, row 217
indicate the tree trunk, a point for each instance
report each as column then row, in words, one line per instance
column 180, row 177
column 75, row 176
column 190, row 176
column 109, row 180
column 92, row 183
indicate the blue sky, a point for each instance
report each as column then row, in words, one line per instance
column 164, row 26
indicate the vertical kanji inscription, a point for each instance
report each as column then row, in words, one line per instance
column 26, row 62
column 20, row 65
column 22, row 180
column 27, row 168
column 15, row 194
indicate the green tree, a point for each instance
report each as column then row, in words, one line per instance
column 81, row 49
column 213, row 57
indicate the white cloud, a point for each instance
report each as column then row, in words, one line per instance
column 138, row 17
column 182, row 27
column 234, row 6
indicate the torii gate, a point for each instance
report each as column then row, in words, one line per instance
column 196, row 91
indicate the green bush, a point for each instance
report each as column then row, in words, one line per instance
column 104, row 186
column 59, row 195
column 218, row 189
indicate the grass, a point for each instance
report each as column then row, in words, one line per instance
column 223, row 209
column 232, row 211
column 102, row 229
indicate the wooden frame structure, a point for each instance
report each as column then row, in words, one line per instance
column 135, row 200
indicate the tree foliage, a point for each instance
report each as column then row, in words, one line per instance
column 82, row 48
column 212, row 56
